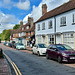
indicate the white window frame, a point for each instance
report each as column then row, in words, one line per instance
column 38, row 27
column 22, row 28
column 50, row 24
column 27, row 27
column 63, row 21
column 68, row 39
column 51, row 39
column 43, row 26
column 73, row 18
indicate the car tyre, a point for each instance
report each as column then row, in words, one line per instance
column 32, row 52
column 59, row 59
column 47, row 56
column 38, row 53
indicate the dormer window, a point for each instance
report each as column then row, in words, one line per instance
column 27, row 27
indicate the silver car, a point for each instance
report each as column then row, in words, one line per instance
column 39, row 49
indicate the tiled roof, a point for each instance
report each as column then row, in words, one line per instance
column 19, row 30
column 59, row 10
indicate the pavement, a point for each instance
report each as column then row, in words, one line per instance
column 4, row 69
column 29, row 48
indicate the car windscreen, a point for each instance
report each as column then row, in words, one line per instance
column 67, row 47
column 60, row 47
column 64, row 47
column 20, row 44
column 42, row 46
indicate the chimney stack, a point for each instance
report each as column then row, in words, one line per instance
column 44, row 9
column 30, row 20
column 21, row 22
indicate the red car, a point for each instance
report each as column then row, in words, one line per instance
column 60, row 52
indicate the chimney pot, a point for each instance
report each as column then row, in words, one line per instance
column 21, row 22
column 44, row 9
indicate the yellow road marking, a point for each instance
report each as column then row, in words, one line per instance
column 17, row 71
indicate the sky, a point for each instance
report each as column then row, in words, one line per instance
column 14, row 11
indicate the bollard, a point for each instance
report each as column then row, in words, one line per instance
column 1, row 53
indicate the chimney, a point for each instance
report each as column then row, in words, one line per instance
column 21, row 22
column 30, row 20
column 44, row 9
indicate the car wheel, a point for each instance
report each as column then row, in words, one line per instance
column 47, row 56
column 32, row 52
column 38, row 53
column 59, row 59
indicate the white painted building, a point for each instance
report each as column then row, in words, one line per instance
column 57, row 26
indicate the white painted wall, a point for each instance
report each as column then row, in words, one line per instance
column 46, row 31
column 68, row 27
column 69, row 18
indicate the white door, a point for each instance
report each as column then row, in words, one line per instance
column 58, row 40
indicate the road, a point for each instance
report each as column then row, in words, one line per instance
column 29, row 64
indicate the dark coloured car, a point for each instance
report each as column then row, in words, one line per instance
column 9, row 44
column 13, row 44
column 61, row 52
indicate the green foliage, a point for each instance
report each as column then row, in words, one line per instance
column 16, row 26
column 5, row 35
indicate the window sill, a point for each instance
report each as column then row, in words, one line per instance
column 50, row 28
column 38, row 30
column 62, row 25
column 73, row 23
column 43, row 29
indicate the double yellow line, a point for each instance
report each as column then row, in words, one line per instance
column 17, row 71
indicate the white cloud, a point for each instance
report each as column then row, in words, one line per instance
column 23, row 5
column 7, row 1
column 26, row 18
column 7, row 21
column 51, row 4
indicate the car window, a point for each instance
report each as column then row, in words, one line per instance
column 42, row 46
column 60, row 47
column 50, row 47
column 54, row 47
column 67, row 47
column 20, row 44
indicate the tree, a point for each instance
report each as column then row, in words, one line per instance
column 16, row 26
column 5, row 35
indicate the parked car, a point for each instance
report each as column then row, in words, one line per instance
column 9, row 44
column 39, row 49
column 5, row 42
column 20, row 46
column 14, row 45
column 61, row 52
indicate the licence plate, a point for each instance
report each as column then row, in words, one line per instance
column 72, row 57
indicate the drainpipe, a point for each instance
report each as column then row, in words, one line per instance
column 55, row 28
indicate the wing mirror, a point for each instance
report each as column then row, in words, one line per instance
column 55, row 49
